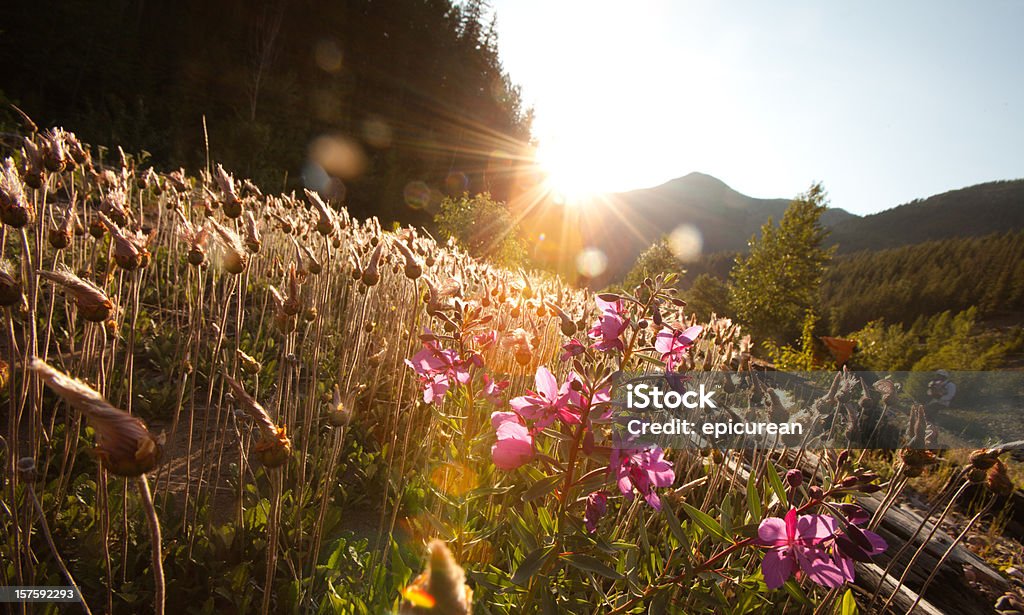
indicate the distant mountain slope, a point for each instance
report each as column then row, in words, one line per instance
column 725, row 218
column 968, row 212
column 624, row 224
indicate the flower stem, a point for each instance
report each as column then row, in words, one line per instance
column 154, row 532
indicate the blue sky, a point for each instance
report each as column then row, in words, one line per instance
column 884, row 102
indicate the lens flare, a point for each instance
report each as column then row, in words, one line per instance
column 686, row 242
column 591, row 262
column 417, row 195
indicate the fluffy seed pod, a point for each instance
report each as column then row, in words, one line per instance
column 413, row 269
column 248, row 364
column 15, row 209
column 252, row 234
column 274, row 447
column 130, row 248
column 124, row 445
column 371, row 274
column 998, row 480
column 93, row 304
column 234, row 258
column 339, row 411
column 325, row 224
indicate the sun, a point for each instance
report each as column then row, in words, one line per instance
column 569, row 176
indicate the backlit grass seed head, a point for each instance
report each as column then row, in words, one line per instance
column 124, row 445
column 234, row 258
column 15, row 208
column 93, row 304
column 274, row 448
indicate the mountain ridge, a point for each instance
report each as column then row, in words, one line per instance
column 727, row 219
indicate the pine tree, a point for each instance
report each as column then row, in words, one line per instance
column 774, row 286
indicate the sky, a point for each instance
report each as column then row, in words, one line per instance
column 883, row 102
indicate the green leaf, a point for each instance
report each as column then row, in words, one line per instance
column 775, row 481
column 706, row 522
column 541, row 487
column 591, row 564
column 849, row 604
column 793, row 589
column 531, row 564
column 674, row 526
column 753, row 497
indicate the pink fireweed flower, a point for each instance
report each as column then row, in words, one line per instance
column 797, row 543
column 438, row 369
column 672, row 344
column 641, row 471
column 549, row 401
column 571, row 349
column 597, row 506
column 493, row 390
column 514, row 446
column 856, row 544
column 610, row 326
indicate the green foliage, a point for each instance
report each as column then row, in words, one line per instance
column 944, row 341
column 802, row 358
column 773, row 286
column 655, row 260
column 706, row 296
column 902, row 284
column 483, row 227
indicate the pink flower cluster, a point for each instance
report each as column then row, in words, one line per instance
column 815, row 546
column 641, row 470
column 438, row 368
column 551, row 401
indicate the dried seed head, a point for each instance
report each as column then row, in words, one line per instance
column 10, row 288
column 274, row 447
column 234, row 258
column 325, row 224
column 123, row 443
column 339, row 410
column 15, row 208
column 130, row 248
column 371, row 274
column 93, row 304
column 252, row 234
column 248, row 363
column 998, row 480
column 232, row 204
